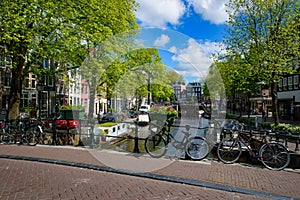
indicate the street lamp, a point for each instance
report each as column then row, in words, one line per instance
column 148, row 79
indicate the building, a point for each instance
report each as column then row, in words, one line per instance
column 289, row 97
column 5, row 80
column 187, row 93
column 78, row 90
column 260, row 101
column 40, row 94
column 179, row 89
column 193, row 91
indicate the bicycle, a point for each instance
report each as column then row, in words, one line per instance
column 8, row 132
column 196, row 147
column 272, row 155
column 21, row 136
column 34, row 132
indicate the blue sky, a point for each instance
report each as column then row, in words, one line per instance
column 186, row 32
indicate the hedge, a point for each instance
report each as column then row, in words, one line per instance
column 282, row 127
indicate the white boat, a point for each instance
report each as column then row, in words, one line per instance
column 109, row 133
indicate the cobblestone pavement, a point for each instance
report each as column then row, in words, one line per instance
column 32, row 180
column 56, row 176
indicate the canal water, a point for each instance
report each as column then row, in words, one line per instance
column 197, row 128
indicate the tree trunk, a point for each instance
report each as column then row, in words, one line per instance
column 16, row 88
column 274, row 102
column 92, row 102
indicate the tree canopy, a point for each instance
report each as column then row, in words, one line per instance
column 57, row 30
column 263, row 41
column 145, row 74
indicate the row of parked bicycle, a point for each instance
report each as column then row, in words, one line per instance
column 233, row 141
column 27, row 131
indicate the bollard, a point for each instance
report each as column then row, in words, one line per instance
column 136, row 140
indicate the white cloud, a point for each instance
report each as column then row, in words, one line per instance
column 173, row 49
column 159, row 13
column 211, row 10
column 194, row 60
column 212, row 47
column 162, row 40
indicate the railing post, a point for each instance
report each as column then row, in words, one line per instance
column 92, row 134
column 80, row 143
column 297, row 142
column 286, row 138
column 54, row 131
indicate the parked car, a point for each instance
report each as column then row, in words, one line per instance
column 61, row 124
column 66, row 123
column 133, row 114
column 144, row 108
column 108, row 117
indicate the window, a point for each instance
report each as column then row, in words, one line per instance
column 296, row 82
column 50, row 80
column 284, row 84
column 33, row 81
column 26, row 82
column 46, row 63
column 25, row 100
column 7, row 80
column 280, row 85
column 290, row 82
column 71, row 89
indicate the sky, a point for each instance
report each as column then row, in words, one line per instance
column 186, row 32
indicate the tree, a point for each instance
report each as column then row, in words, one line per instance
column 57, row 30
column 265, row 33
column 145, row 76
column 215, row 89
column 106, row 64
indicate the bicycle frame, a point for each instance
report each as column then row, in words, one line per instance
column 272, row 155
column 253, row 151
column 170, row 139
column 195, row 147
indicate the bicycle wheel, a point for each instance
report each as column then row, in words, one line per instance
column 274, row 156
column 155, row 145
column 32, row 140
column 6, row 138
column 229, row 150
column 32, row 137
column 197, row 148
